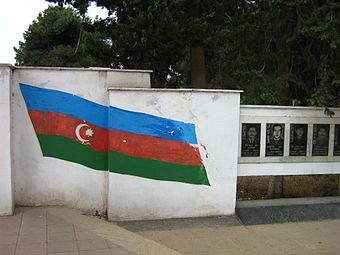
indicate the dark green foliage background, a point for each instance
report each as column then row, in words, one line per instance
column 277, row 51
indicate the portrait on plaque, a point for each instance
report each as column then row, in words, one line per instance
column 320, row 139
column 250, row 140
column 274, row 139
column 298, row 140
column 336, row 151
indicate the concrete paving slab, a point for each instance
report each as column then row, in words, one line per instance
column 60, row 230
column 118, row 238
column 288, row 238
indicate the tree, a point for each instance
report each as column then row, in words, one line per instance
column 277, row 51
column 161, row 35
column 57, row 38
column 147, row 36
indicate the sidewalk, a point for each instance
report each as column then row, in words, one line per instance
column 60, row 230
column 64, row 231
column 310, row 238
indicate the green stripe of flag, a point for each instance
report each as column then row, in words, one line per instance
column 157, row 170
column 67, row 149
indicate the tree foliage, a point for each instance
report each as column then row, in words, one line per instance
column 58, row 38
column 277, row 51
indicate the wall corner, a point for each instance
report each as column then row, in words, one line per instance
column 6, row 174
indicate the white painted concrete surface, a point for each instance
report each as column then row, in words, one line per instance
column 6, row 177
column 48, row 181
column 216, row 117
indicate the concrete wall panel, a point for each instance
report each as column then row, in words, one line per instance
column 216, row 117
column 49, row 181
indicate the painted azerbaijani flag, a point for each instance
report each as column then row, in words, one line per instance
column 75, row 129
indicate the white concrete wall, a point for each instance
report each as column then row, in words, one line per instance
column 288, row 165
column 104, row 76
column 49, row 181
column 216, row 117
column 6, row 178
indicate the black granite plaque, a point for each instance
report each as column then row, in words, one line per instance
column 274, row 139
column 320, row 139
column 251, row 133
column 336, row 151
column 298, row 140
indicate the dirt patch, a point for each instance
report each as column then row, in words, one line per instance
column 255, row 187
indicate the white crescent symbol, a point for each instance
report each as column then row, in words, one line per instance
column 83, row 141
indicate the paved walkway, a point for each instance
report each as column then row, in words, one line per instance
column 64, row 231
column 59, row 230
column 310, row 238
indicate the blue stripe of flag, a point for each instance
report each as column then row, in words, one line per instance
column 146, row 124
column 49, row 100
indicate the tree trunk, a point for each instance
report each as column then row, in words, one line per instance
column 198, row 79
column 275, row 187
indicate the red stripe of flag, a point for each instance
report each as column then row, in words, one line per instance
column 51, row 123
column 143, row 146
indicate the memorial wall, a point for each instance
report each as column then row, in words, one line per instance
column 278, row 140
column 251, row 132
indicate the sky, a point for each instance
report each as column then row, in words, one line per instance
column 16, row 16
